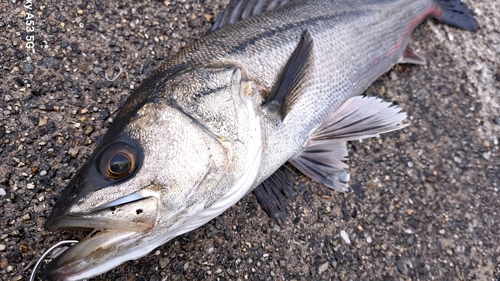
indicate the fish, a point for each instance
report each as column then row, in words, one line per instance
column 272, row 82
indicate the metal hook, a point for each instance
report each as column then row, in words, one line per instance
column 115, row 77
column 33, row 273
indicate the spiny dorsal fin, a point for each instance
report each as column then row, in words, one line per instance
column 294, row 75
column 357, row 118
column 238, row 10
column 410, row 56
column 274, row 193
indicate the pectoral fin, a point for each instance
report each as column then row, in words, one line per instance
column 294, row 76
column 274, row 193
column 357, row 118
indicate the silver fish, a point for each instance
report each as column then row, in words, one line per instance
column 272, row 82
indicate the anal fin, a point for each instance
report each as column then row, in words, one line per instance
column 322, row 162
column 356, row 119
column 274, row 193
column 410, row 56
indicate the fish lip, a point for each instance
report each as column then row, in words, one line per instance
column 112, row 229
column 83, row 259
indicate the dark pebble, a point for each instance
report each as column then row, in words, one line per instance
column 349, row 258
column 218, row 225
column 410, row 240
column 31, row 105
column 400, row 265
column 28, row 68
column 64, row 44
column 103, row 115
column 20, row 81
column 19, row 55
column 48, row 62
column 74, row 47
column 358, row 190
column 307, row 196
column 201, row 274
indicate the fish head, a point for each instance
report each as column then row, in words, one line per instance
column 162, row 169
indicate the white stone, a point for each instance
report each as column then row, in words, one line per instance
column 344, row 236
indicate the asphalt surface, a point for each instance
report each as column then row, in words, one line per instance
column 424, row 204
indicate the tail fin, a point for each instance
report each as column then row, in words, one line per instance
column 456, row 13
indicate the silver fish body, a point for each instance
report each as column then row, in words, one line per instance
column 225, row 113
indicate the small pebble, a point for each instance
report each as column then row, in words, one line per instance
column 30, row 185
column 486, row 155
column 42, row 120
column 344, row 236
column 28, row 68
column 322, row 268
column 208, row 17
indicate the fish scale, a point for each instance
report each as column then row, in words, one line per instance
column 347, row 38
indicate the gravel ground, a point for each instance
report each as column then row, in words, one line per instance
column 424, row 203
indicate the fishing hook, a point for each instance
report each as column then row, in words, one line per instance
column 33, row 273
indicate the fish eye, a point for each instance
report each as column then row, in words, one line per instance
column 117, row 161
column 119, row 164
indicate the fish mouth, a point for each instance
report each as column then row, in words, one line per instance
column 115, row 229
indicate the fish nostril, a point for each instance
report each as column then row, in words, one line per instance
column 138, row 211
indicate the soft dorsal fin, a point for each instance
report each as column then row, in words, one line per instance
column 295, row 74
column 410, row 56
column 356, row 119
column 274, row 193
column 238, row 10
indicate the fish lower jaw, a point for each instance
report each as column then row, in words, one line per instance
column 95, row 254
